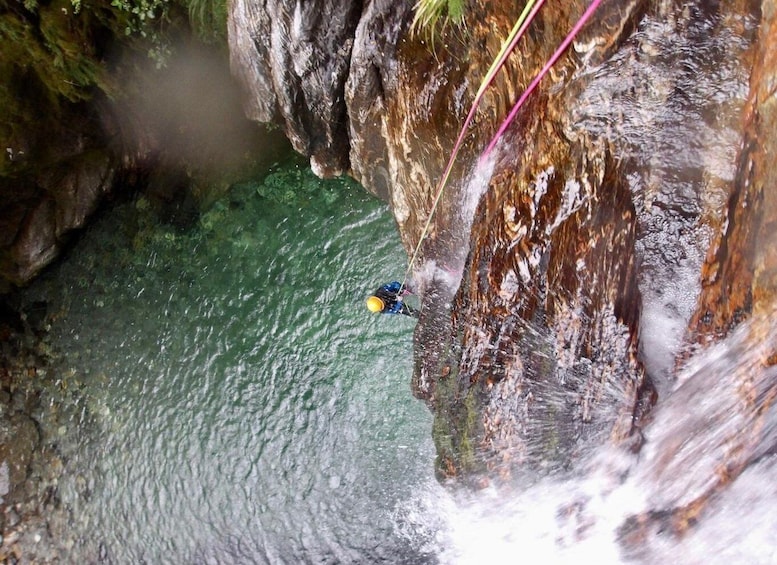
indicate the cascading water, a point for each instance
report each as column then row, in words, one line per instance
column 681, row 127
column 583, row 518
column 229, row 400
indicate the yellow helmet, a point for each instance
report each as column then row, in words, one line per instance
column 375, row 304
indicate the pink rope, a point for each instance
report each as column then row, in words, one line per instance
column 564, row 44
column 498, row 66
column 446, row 173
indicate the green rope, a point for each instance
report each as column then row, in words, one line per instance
column 552, row 61
column 527, row 15
column 529, row 11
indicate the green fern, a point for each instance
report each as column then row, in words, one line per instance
column 433, row 14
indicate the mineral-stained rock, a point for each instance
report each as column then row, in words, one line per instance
column 547, row 318
column 739, row 275
column 554, row 276
column 694, row 454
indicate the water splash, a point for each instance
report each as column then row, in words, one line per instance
column 443, row 270
column 581, row 517
column 551, row 521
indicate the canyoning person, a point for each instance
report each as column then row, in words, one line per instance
column 388, row 299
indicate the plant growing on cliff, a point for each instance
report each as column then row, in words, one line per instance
column 146, row 18
column 208, row 19
column 51, row 57
column 431, row 14
column 52, row 46
column 59, row 53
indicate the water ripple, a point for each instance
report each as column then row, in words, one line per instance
column 254, row 411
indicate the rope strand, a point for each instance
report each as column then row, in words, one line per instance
column 564, row 44
column 526, row 17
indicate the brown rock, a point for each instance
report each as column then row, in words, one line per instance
column 19, row 437
column 603, row 197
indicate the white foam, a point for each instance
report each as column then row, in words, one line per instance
column 577, row 519
column 474, row 188
column 665, row 314
column 430, row 271
column 550, row 522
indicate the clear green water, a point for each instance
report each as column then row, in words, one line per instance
column 236, row 403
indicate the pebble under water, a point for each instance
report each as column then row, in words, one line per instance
column 232, row 400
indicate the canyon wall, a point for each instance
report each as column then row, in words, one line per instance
column 623, row 223
column 565, row 281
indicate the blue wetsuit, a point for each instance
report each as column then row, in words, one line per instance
column 389, row 294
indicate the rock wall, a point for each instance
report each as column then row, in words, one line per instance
column 556, row 298
column 177, row 133
column 738, row 275
column 56, row 184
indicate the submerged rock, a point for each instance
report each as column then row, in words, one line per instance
column 19, row 438
column 34, row 525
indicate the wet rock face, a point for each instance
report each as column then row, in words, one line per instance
column 557, row 281
column 45, row 204
column 671, row 101
column 553, row 295
column 739, row 274
column 692, row 475
column 294, row 58
column 364, row 99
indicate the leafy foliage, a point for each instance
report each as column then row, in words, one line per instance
column 53, row 46
column 52, row 57
column 56, row 53
column 432, row 14
column 147, row 18
column 208, row 19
